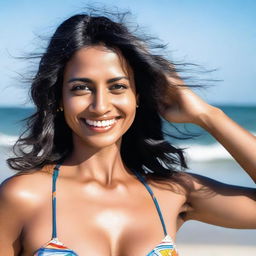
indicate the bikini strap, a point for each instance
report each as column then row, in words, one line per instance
column 154, row 200
column 54, row 179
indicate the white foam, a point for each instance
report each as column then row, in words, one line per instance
column 206, row 153
column 193, row 152
column 7, row 140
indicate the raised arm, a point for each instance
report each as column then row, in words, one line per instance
column 187, row 107
column 209, row 200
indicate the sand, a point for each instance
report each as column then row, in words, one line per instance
column 200, row 239
column 216, row 250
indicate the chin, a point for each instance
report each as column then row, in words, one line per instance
column 101, row 143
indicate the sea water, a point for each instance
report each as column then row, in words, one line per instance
column 205, row 155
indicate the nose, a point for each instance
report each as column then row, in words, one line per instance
column 101, row 102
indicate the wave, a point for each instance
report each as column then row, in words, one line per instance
column 194, row 152
column 7, row 140
column 206, row 153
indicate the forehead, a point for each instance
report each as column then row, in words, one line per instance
column 97, row 60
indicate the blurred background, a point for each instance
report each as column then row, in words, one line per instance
column 217, row 35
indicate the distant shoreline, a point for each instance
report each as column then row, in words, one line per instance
column 222, row 105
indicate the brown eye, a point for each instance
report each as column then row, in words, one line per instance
column 80, row 87
column 118, row 87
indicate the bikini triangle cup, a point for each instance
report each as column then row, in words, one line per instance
column 55, row 247
column 167, row 247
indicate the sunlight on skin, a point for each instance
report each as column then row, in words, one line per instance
column 112, row 222
column 95, row 189
column 27, row 195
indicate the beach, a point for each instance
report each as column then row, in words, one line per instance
column 199, row 239
column 205, row 158
column 214, row 250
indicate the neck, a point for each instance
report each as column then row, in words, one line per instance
column 103, row 165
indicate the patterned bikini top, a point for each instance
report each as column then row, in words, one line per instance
column 55, row 247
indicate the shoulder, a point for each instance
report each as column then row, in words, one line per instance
column 21, row 196
column 191, row 186
column 193, row 183
column 25, row 191
column 182, row 183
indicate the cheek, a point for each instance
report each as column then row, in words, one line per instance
column 76, row 104
column 128, row 107
column 72, row 103
column 127, row 104
column 73, row 107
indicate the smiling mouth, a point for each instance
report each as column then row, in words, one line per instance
column 100, row 125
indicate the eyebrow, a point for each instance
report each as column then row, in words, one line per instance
column 88, row 80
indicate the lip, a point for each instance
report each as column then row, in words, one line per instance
column 103, row 118
column 100, row 129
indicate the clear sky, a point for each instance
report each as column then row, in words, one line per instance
column 215, row 33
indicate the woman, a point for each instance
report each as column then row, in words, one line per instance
column 96, row 141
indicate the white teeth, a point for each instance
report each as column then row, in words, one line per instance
column 103, row 123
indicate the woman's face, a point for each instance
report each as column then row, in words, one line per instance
column 99, row 96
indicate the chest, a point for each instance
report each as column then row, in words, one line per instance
column 105, row 222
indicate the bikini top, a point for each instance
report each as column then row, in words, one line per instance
column 56, row 247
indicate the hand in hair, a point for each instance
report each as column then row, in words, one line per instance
column 182, row 105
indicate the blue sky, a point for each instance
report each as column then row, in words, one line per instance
column 216, row 34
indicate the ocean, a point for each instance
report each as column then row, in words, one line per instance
column 204, row 154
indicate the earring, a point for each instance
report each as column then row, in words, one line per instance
column 60, row 109
column 137, row 106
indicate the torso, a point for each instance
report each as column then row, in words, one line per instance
column 97, row 220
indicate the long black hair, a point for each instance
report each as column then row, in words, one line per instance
column 48, row 139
